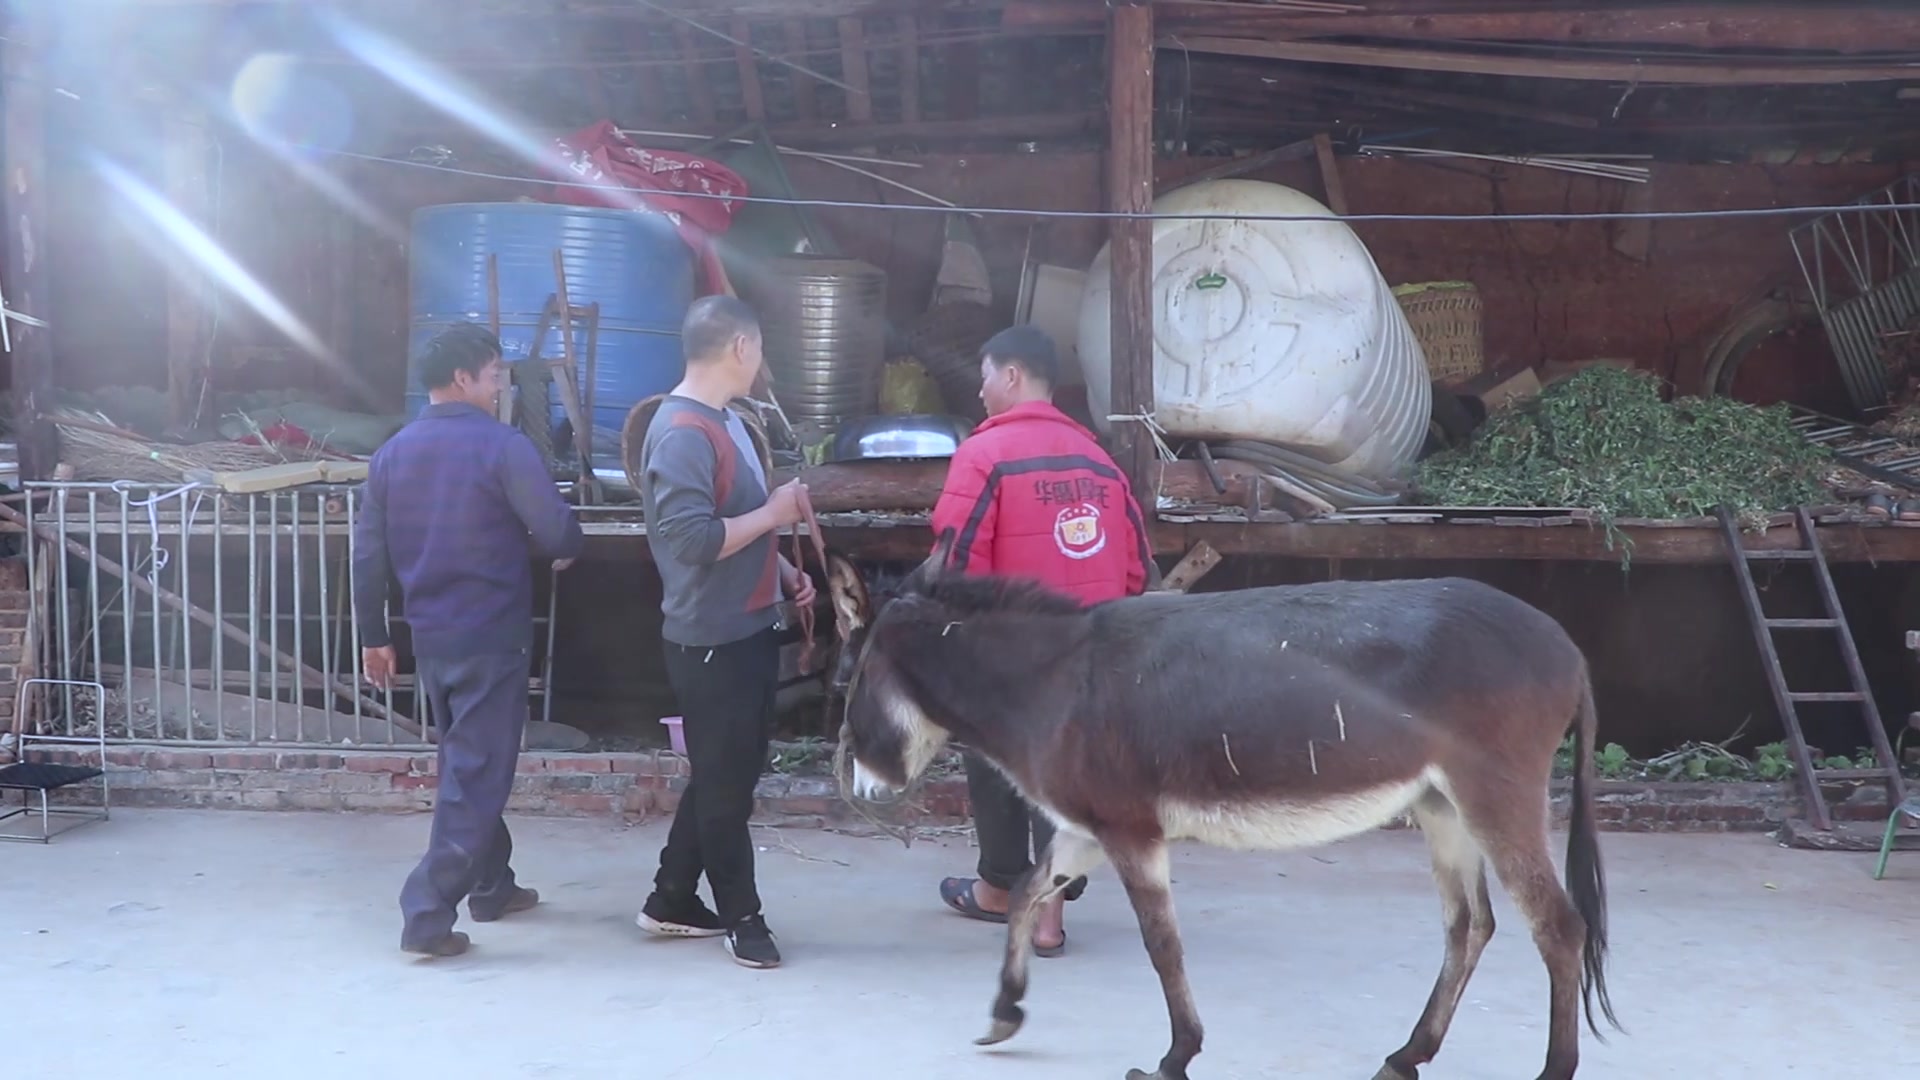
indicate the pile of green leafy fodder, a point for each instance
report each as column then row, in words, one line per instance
column 1605, row 441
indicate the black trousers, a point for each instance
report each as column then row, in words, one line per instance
column 726, row 696
column 480, row 705
column 1005, row 823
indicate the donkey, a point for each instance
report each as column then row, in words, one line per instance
column 1273, row 718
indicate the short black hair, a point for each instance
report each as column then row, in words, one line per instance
column 464, row 346
column 1026, row 346
column 712, row 322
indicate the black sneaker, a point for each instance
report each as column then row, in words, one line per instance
column 750, row 944
column 682, row 916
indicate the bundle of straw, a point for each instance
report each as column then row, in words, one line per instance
column 99, row 450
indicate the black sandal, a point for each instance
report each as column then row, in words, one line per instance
column 958, row 894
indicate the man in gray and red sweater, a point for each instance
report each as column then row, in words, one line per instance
column 457, row 506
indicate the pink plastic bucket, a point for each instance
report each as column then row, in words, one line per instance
column 676, row 738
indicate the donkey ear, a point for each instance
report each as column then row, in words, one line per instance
column 852, row 607
column 936, row 564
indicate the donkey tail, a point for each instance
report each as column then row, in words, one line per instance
column 1586, row 881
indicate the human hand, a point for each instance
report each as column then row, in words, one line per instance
column 561, row 564
column 799, row 585
column 786, row 504
column 378, row 664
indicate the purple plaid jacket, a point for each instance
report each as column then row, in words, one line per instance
column 457, row 506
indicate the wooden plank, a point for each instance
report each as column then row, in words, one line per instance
column 1330, row 174
column 699, row 91
column 803, row 103
column 1421, row 99
column 1679, row 72
column 853, row 69
column 1189, row 570
column 915, row 485
column 1386, row 542
column 1838, row 27
column 24, row 281
column 752, row 98
column 909, row 30
column 1042, row 125
column 1130, row 53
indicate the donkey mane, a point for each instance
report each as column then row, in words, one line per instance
column 967, row 594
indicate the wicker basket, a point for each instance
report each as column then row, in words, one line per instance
column 1445, row 316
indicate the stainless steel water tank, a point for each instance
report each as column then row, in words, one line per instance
column 824, row 320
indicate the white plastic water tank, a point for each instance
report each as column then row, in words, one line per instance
column 1277, row 331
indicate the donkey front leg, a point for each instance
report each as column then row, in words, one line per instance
column 1070, row 856
column 1145, row 871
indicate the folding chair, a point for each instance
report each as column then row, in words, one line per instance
column 29, row 776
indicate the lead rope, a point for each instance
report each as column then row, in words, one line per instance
column 812, row 524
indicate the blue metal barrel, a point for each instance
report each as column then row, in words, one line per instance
column 633, row 264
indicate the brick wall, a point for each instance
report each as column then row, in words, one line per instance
column 648, row 785
column 13, row 644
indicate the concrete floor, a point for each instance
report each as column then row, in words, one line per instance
column 194, row 944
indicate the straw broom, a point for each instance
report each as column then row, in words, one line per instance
column 98, row 450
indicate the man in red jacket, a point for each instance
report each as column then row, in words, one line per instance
column 1031, row 495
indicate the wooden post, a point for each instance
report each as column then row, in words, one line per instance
column 24, row 281
column 1130, row 190
column 185, row 141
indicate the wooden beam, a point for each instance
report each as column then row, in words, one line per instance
column 1380, row 94
column 915, row 485
column 853, row 69
column 1679, row 72
column 751, row 96
column 699, row 90
column 1045, row 125
column 1130, row 49
column 1699, row 546
column 1330, row 174
column 909, row 30
column 1190, row 569
column 803, row 104
column 24, row 281
column 1835, row 27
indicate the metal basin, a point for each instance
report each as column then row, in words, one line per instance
column 885, row 438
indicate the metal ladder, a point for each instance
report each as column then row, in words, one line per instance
column 1788, row 700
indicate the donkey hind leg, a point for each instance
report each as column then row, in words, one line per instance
column 1068, row 857
column 1148, row 877
column 1460, row 872
column 1525, row 868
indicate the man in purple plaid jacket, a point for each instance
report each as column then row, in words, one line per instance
column 457, row 507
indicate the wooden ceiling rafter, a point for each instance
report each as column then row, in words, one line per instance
column 853, row 68
column 752, row 98
column 804, row 105
column 907, row 27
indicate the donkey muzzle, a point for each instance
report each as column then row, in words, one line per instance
column 869, row 787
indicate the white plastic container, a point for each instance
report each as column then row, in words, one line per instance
column 1281, row 332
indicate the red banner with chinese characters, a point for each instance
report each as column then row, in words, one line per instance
column 603, row 167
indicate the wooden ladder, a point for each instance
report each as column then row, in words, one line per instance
column 1788, row 700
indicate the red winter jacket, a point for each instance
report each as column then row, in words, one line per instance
column 1030, row 494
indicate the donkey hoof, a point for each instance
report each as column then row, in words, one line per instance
column 1390, row 1071
column 1003, row 1028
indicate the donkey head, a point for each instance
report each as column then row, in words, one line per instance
column 891, row 740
